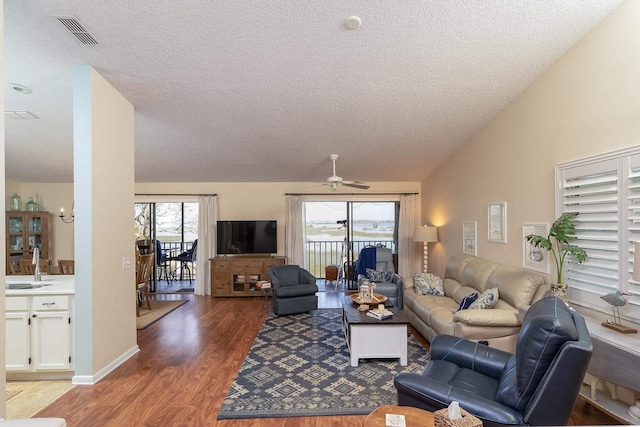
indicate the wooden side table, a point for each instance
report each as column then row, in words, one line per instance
column 414, row 417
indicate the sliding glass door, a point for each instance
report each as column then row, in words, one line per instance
column 174, row 225
column 336, row 232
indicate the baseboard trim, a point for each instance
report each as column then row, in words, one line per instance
column 39, row 376
column 92, row 379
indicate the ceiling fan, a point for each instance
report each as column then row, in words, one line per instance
column 335, row 180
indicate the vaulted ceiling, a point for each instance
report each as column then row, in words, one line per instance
column 254, row 90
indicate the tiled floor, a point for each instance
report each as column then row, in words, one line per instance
column 34, row 396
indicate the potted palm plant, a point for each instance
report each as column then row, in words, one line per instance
column 562, row 231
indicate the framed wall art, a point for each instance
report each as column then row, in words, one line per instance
column 534, row 258
column 497, row 222
column 469, row 238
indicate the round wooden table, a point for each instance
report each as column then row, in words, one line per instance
column 413, row 416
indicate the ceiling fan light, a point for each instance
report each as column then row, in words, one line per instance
column 335, row 180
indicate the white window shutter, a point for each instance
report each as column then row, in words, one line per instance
column 592, row 191
column 605, row 191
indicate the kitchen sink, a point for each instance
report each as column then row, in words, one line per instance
column 26, row 285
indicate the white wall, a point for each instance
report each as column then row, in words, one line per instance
column 586, row 103
column 11, row 187
column 103, row 192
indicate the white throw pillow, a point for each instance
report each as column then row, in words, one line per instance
column 488, row 299
column 428, row 284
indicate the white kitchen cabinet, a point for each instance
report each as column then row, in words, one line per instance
column 44, row 344
column 50, row 332
column 17, row 338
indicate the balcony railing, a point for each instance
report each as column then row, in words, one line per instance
column 175, row 247
column 319, row 253
column 324, row 252
column 172, row 249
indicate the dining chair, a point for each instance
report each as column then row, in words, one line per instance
column 14, row 268
column 187, row 260
column 143, row 274
column 27, row 268
column 163, row 263
column 137, row 254
column 66, row 266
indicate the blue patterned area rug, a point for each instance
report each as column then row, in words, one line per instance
column 299, row 366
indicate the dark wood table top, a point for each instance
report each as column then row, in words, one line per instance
column 360, row 317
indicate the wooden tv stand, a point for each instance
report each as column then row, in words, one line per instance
column 236, row 276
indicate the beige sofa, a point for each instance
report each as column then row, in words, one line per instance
column 498, row 326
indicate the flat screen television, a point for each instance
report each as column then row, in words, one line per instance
column 247, row 237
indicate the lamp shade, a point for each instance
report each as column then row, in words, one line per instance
column 636, row 263
column 425, row 234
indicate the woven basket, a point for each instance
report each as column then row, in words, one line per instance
column 441, row 419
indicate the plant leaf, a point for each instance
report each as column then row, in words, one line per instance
column 577, row 252
column 539, row 241
column 564, row 229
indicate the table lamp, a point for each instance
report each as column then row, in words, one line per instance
column 425, row 234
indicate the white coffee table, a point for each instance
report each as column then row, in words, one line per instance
column 368, row 338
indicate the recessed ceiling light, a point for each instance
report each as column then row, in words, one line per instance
column 352, row 22
column 21, row 88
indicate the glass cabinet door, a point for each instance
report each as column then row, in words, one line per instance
column 15, row 243
column 15, row 234
column 35, row 225
column 15, row 224
column 34, row 232
column 245, row 282
column 238, row 282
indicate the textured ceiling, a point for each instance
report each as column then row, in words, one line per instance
column 254, row 90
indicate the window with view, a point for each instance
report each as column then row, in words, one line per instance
column 329, row 237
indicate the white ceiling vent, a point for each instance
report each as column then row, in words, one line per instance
column 77, row 29
column 20, row 115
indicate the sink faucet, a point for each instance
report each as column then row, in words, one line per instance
column 36, row 260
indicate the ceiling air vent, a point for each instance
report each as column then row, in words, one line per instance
column 77, row 29
column 20, row 115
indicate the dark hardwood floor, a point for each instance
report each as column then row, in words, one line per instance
column 186, row 363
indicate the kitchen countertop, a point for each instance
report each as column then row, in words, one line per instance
column 52, row 285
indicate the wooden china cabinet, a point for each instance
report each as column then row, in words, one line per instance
column 24, row 231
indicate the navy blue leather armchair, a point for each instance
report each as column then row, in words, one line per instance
column 538, row 385
column 294, row 289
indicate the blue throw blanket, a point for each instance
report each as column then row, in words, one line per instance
column 366, row 260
